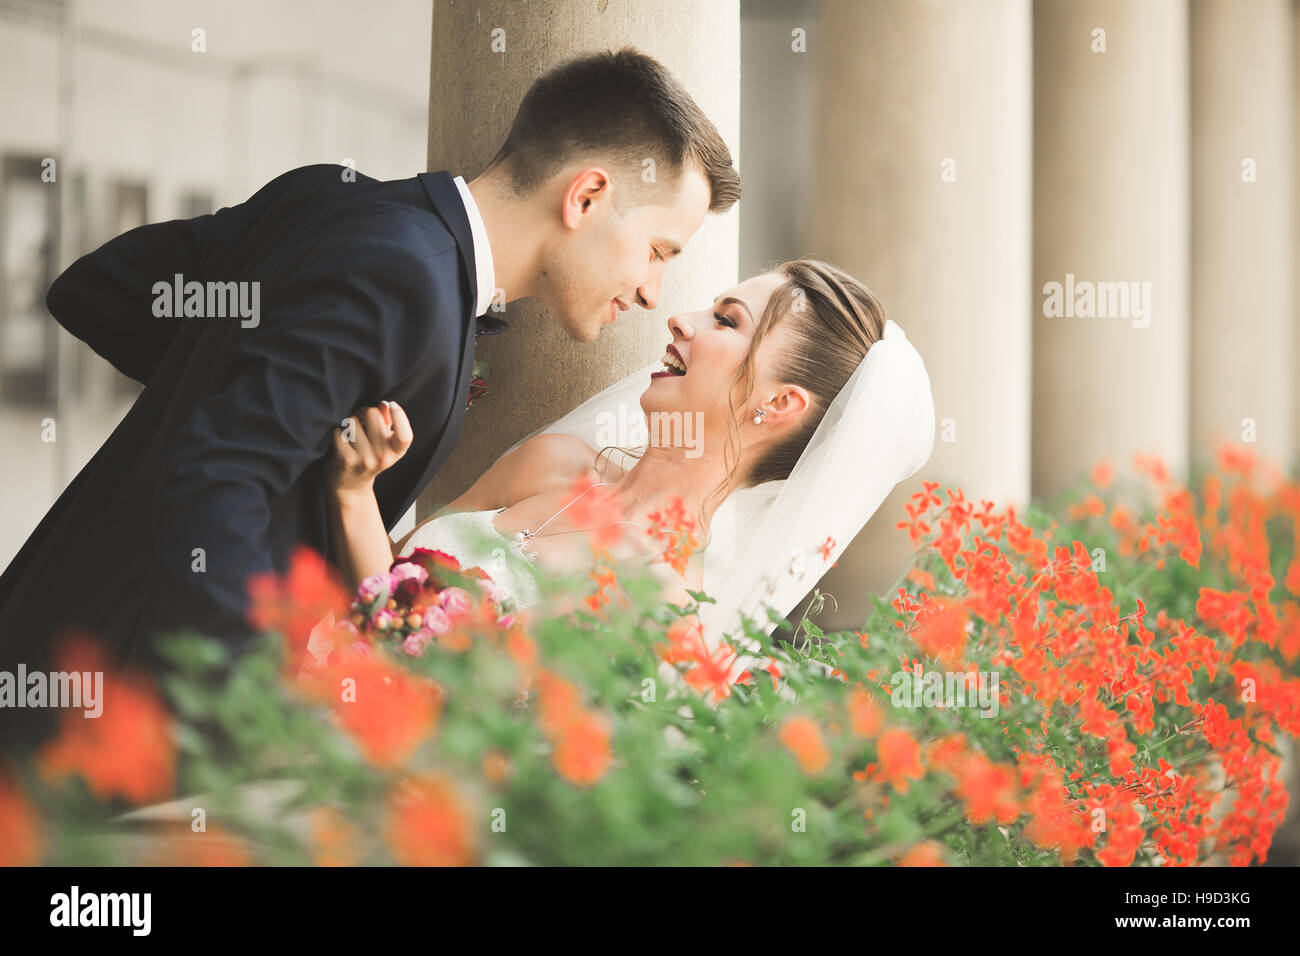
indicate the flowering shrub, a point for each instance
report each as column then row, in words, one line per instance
column 1108, row 686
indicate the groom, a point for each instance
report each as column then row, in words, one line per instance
column 350, row 291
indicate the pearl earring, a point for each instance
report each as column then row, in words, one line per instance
column 758, row 415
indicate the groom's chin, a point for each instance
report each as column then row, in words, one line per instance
column 584, row 332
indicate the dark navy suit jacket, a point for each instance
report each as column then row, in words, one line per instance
column 367, row 292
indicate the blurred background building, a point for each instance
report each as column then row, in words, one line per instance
column 959, row 157
column 114, row 114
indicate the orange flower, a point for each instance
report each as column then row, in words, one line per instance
column 803, row 738
column 942, row 634
column 20, row 833
column 927, row 853
column 685, row 642
column 293, row 604
column 334, row 839
column 899, row 756
column 866, row 717
column 428, row 823
column 596, row 508
column 675, row 528
column 387, row 710
column 181, row 846
column 712, row 674
column 496, row 767
column 580, row 739
column 558, row 703
column 946, row 752
column 987, row 789
column 522, row 650
column 125, row 752
column 582, row 752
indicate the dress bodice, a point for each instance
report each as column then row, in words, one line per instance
column 473, row 540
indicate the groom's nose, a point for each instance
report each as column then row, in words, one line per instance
column 647, row 294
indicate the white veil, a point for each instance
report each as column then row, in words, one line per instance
column 772, row 543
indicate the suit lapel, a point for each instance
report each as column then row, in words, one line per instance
column 447, row 205
column 450, row 208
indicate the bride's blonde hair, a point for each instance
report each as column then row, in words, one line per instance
column 830, row 321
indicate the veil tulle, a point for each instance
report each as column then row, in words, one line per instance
column 772, row 543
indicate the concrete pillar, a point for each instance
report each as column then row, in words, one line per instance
column 1243, row 107
column 537, row 373
column 922, row 191
column 1111, row 218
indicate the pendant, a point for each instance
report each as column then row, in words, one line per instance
column 519, row 538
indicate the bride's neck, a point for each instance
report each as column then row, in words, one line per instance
column 662, row 474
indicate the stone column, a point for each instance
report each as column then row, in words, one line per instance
column 922, row 191
column 1111, row 247
column 485, row 55
column 1243, row 108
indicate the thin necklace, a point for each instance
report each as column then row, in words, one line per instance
column 521, row 536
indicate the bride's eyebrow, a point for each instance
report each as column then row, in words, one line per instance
column 731, row 299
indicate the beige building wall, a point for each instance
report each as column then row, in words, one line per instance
column 922, row 191
column 1243, row 215
column 1111, row 205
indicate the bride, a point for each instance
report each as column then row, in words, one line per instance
column 757, row 369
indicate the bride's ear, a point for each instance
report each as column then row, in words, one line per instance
column 787, row 404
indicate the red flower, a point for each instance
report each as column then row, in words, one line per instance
column 987, row 789
column 899, row 758
column 429, row 823
column 803, row 738
column 293, row 604
column 386, row 709
column 127, row 751
column 20, row 834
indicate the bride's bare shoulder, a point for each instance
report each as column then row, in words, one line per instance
column 551, row 459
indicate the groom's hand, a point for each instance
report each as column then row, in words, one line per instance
column 367, row 443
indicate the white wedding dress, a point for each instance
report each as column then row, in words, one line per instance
column 472, row 539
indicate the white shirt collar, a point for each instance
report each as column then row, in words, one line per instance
column 482, row 250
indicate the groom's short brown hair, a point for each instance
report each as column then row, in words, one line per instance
column 620, row 103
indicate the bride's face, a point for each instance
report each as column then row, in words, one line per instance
column 712, row 343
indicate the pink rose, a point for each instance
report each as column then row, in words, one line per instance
column 407, row 571
column 455, row 601
column 437, row 621
column 492, row 590
column 415, row 643
column 372, row 587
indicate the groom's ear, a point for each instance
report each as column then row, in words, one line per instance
column 586, row 191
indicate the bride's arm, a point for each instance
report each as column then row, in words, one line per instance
column 381, row 435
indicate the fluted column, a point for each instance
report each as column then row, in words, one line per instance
column 485, row 55
column 1111, row 246
column 922, row 191
column 1243, row 105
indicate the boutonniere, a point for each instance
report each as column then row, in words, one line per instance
column 477, row 382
